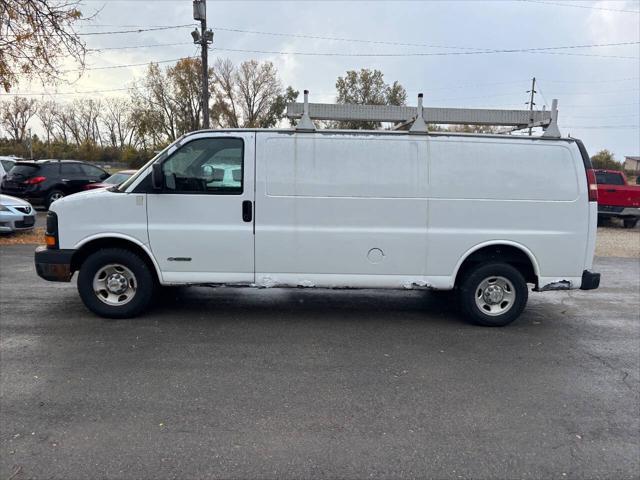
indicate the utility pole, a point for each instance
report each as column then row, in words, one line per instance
column 531, row 102
column 203, row 37
column 30, row 145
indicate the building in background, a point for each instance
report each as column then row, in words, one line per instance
column 632, row 165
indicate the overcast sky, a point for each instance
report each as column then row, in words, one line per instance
column 597, row 87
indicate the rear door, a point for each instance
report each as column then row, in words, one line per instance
column 93, row 174
column 611, row 189
column 73, row 177
column 201, row 224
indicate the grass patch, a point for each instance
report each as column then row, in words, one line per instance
column 30, row 237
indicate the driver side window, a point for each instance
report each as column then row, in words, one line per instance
column 206, row 165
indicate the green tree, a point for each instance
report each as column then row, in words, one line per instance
column 367, row 87
column 605, row 159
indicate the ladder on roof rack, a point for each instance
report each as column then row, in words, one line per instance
column 415, row 119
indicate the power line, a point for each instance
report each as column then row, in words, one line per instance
column 635, row 127
column 32, row 94
column 422, row 54
column 108, row 67
column 614, row 115
column 117, row 32
column 402, row 44
column 600, row 105
column 342, row 54
column 100, row 49
column 139, row 30
column 573, row 5
column 594, row 81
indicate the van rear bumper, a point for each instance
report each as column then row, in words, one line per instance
column 53, row 264
column 590, row 280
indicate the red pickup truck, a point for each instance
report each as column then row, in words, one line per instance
column 616, row 198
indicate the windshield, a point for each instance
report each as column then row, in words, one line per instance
column 117, row 178
column 123, row 186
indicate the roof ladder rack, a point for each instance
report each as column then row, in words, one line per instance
column 415, row 119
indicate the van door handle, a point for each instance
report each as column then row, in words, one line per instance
column 247, row 215
column 611, row 190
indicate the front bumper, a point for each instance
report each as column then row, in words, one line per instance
column 54, row 264
column 590, row 280
column 17, row 223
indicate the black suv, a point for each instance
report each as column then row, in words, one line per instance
column 44, row 181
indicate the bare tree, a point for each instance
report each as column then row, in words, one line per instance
column 47, row 115
column 35, row 37
column 88, row 111
column 250, row 95
column 15, row 115
column 118, row 121
column 61, row 124
column 71, row 118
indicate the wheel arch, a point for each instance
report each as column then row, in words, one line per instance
column 113, row 240
column 506, row 251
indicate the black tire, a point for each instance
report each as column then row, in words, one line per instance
column 53, row 196
column 630, row 222
column 470, row 288
column 143, row 279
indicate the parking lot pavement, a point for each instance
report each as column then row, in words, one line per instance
column 303, row 383
column 41, row 218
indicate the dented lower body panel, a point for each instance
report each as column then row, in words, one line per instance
column 588, row 281
column 300, row 280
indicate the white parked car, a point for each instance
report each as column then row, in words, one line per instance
column 486, row 215
column 15, row 214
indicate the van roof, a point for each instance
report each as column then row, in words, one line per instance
column 293, row 131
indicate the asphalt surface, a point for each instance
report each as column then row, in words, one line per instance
column 41, row 218
column 234, row 383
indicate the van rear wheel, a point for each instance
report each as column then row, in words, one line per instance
column 493, row 294
column 115, row 283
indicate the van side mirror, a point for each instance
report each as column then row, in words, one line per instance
column 157, row 177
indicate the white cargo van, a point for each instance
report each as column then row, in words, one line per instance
column 486, row 215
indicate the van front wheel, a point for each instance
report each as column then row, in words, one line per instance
column 115, row 283
column 493, row 294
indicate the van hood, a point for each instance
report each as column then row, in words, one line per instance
column 95, row 194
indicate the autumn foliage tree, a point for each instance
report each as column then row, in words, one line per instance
column 35, row 37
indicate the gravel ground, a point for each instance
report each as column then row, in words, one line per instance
column 618, row 242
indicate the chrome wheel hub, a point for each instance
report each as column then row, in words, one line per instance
column 115, row 284
column 495, row 295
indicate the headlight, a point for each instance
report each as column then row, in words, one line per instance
column 3, row 209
